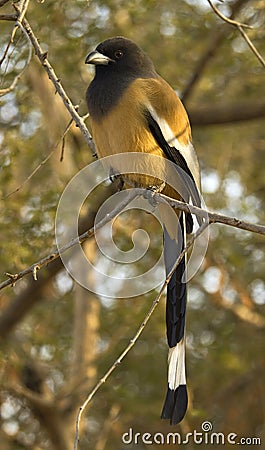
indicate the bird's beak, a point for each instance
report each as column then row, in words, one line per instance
column 98, row 59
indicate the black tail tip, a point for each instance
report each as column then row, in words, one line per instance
column 175, row 405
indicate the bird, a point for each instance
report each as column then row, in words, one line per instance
column 133, row 109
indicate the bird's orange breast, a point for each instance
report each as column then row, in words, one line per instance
column 124, row 128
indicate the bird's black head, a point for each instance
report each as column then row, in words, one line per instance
column 118, row 62
column 122, row 56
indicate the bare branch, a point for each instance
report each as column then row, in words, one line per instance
column 243, row 310
column 137, row 334
column 20, row 15
column 213, row 114
column 57, row 84
column 42, row 163
column 8, row 17
column 227, row 19
column 49, row 413
column 240, row 26
column 21, row 8
column 13, row 278
column 251, row 46
column 42, row 56
column 17, row 77
column 3, row 2
column 215, row 41
column 212, row 217
column 32, row 293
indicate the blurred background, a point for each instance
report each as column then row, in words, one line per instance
column 58, row 339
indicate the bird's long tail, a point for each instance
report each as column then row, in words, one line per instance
column 176, row 401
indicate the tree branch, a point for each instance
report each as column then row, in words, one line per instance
column 49, row 414
column 212, row 217
column 58, row 86
column 137, row 334
column 213, row 114
column 242, row 309
column 240, row 27
column 42, row 163
column 42, row 56
column 216, row 40
column 13, row 278
column 239, row 310
column 227, row 19
column 9, row 17
column 21, row 10
column 15, row 310
column 3, row 2
column 251, row 45
column 32, row 293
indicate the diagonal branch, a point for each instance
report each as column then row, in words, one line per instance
column 13, row 278
column 42, row 163
column 21, row 11
column 215, row 42
column 227, row 19
column 21, row 14
column 57, row 84
column 251, row 45
column 42, row 56
column 32, row 293
column 3, row 2
column 49, row 413
column 137, row 334
column 240, row 26
column 211, row 217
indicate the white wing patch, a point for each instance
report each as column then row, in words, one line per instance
column 187, row 151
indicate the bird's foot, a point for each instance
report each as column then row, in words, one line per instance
column 116, row 178
column 151, row 191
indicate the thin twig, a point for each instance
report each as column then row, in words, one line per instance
column 8, row 17
column 227, row 19
column 17, row 77
column 5, row 54
column 251, row 46
column 62, row 149
column 41, row 163
column 240, row 26
column 42, row 56
column 212, row 218
column 244, row 309
column 3, row 2
column 13, row 278
column 18, row 17
column 137, row 334
column 215, row 41
column 57, row 84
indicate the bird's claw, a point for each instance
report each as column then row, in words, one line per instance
column 151, row 191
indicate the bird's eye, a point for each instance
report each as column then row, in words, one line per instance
column 118, row 54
